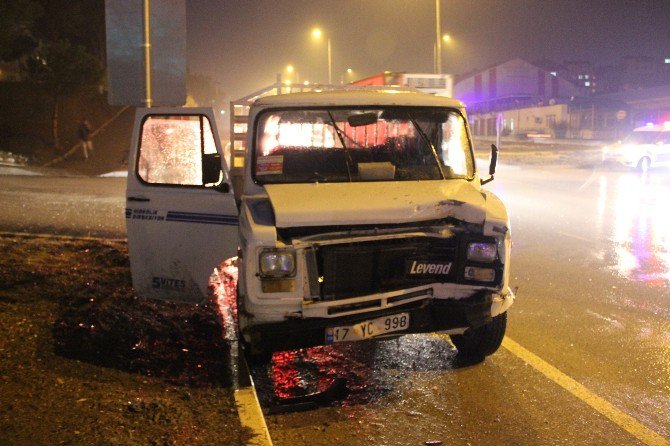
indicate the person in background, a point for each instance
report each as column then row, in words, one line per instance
column 84, row 132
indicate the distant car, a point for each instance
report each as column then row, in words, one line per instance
column 645, row 147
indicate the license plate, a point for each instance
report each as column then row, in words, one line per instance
column 368, row 329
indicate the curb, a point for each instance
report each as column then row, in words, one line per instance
column 58, row 236
column 251, row 416
column 248, row 407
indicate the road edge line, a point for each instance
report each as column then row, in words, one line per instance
column 251, row 416
column 602, row 406
column 248, row 406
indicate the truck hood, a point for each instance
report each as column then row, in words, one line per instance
column 320, row 204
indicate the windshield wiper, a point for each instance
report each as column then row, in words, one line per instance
column 427, row 141
column 347, row 157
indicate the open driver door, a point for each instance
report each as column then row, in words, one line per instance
column 181, row 215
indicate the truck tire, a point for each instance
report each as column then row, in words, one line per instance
column 481, row 341
column 254, row 356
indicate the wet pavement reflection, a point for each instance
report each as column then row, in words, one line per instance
column 592, row 256
column 369, row 370
column 639, row 207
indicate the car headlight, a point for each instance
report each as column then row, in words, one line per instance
column 482, row 252
column 277, row 263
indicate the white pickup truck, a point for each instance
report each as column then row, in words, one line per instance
column 362, row 215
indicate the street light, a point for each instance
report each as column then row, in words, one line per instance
column 316, row 34
column 446, row 38
column 439, row 38
column 290, row 69
column 348, row 74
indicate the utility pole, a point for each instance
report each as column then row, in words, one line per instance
column 330, row 65
column 147, row 54
column 438, row 39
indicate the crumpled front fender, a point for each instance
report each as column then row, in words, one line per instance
column 501, row 302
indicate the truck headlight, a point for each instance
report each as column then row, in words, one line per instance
column 482, row 252
column 277, row 263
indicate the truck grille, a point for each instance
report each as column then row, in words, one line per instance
column 358, row 269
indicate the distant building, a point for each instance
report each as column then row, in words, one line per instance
column 511, row 85
column 579, row 118
column 633, row 73
column 546, row 99
column 582, row 74
column 531, row 98
column 646, row 105
column 639, row 72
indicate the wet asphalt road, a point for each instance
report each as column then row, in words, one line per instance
column 591, row 260
column 587, row 359
column 79, row 206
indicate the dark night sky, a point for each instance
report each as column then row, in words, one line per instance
column 243, row 44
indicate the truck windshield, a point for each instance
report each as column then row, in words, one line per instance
column 374, row 144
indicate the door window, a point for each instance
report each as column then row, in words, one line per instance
column 173, row 148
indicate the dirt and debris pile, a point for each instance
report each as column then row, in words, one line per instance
column 179, row 342
column 83, row 362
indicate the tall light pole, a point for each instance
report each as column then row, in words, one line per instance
column 148, row 101
column 438, row 39
column 330, row 64
column 316, row 34
column 446, row 38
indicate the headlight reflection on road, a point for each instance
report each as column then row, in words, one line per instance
column 641, row 229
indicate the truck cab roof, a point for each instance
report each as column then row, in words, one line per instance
column 343, row 97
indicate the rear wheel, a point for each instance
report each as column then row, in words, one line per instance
column 481, row 341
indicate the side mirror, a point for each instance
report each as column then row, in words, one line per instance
column 492, row 165
column 211, row 171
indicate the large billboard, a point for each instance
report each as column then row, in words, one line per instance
column 126, row 61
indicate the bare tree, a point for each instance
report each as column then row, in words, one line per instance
column 61, row 69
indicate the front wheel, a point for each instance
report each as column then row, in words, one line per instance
column 481, row 341
column 255, row 356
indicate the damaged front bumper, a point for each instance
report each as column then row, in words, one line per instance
column 425, row 316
